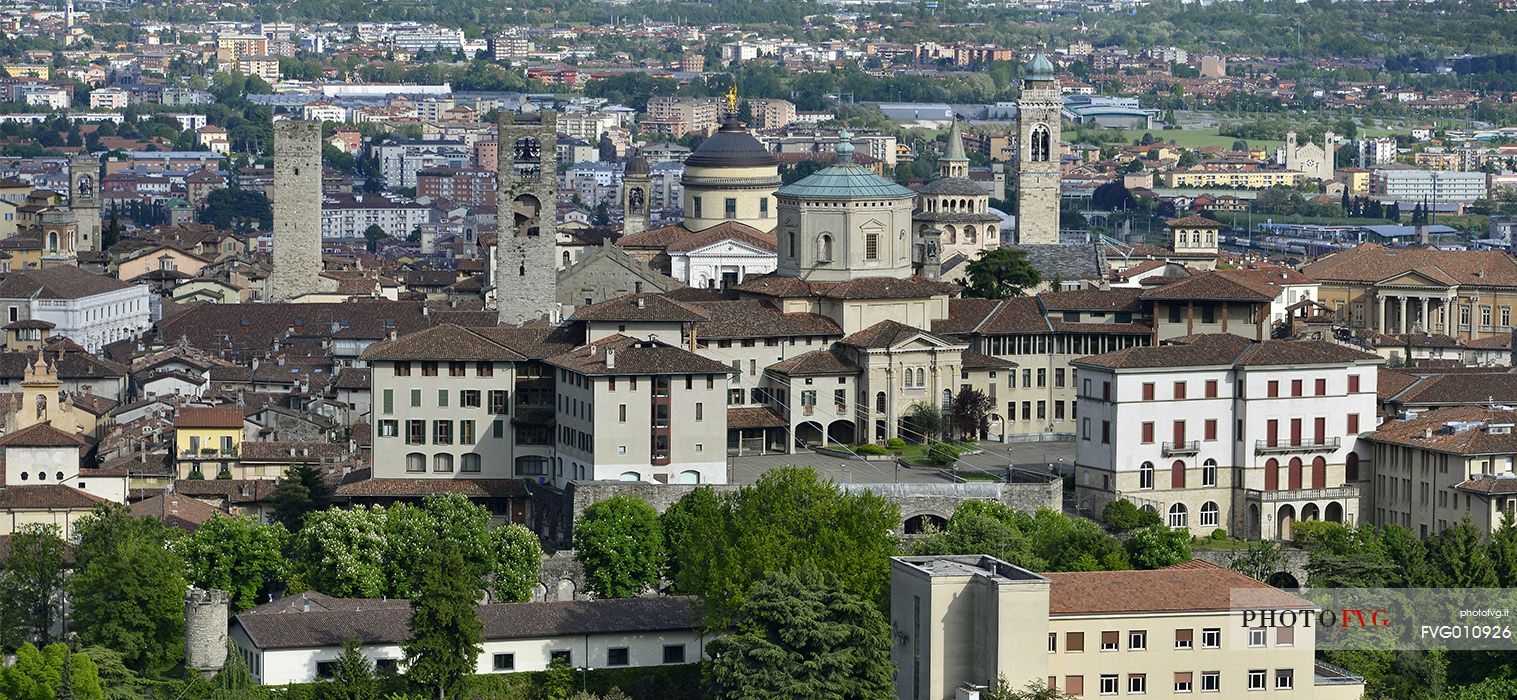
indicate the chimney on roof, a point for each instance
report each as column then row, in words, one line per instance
column 610, row 358
column 641, row 304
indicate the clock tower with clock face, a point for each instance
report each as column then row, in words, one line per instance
column 526, row 198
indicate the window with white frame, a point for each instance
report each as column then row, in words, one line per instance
column 1146, row 475
column 1178, row 515
column 1285, row 678
column 1209, row 473
column 1109, row 683
column 1209, row 512
column 1256, row 636
column 1211, row 681
column 1256, row 679
column 1211, row 638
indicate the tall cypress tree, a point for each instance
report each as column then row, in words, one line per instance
column 445, row 641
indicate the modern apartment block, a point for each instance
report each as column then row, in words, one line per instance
column 960, row 622
column 1217, row 431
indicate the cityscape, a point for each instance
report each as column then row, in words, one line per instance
column 685, row 350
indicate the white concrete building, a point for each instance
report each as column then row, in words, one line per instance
column 399, row 161
column 349, row 215
column 293, row 640
column 1411, row 185
column 1219, row 431
column 91, row 310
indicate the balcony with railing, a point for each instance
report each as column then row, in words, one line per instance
column 1331, row 493
column 208, row 455
column 1270, row 447
column 1177, row 449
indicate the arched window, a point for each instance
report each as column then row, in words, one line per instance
column 1295, row 473
column 1041, row 144
column 1209, row 514
column 1351, row 467
column 1272, row 475
column 689, row 476
column 1146, row 475
column 824, row 249
column 921, row 377
column 1178, row 515
column 416, row 462
column 950, row 235
column 566, row 258
column 1209, row 472
column 947, row 399
column 1177, row 475
column 879, row 402
column 1319, row 473
column 630, row 476
column 442, row 462
column 969, row 234
column 52, row 241
column 470, row 463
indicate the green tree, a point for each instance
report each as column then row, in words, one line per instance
column 1158, row 546
column 1001, row 273
column 31, row 586
column 128, row 588
column 787, row 519
column 621, row 545
column 803, row 635
column 1457, row 558
column 372, row 236
column 445, row 640
column 236, row 554
column 340, row 552
column 1003, row 690
column 50, row 673
column 923, row 422
column 352, row 677
column 1122, row 516
column 1503, row 551
column 299, row 491
column 238, row 209
column 1259, row 560
column 234, row 681
column 518, row 559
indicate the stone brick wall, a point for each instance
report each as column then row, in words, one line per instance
column 297, row 210
column 205, row 630
column 526, row 270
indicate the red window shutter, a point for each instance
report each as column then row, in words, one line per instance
column 1295, row 473
column 1271, row 475
column 1177, row 475
column 1148, row 391
column 1211, row 429
column 1353, row 424
column 1148, row 433
column 1295, row 387
column 1321, row 388
column 1274, row 388
column 1353, row 383
column 1179, row 390
column 1211, row 388
column 1319, row 473
column 1319, row 427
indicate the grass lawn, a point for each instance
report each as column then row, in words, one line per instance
column 917, row 454
column 1199, row 138
column 1224, row 545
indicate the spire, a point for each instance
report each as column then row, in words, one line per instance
column 955, row 150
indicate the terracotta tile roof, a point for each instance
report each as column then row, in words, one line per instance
column 639, row 307
column 965, row 315
column 1391, row 382
column 1374, row 263
column 409, row 488
column 1211, row 286
column 1194, row 586
column 758, row 318
column 354, row 378
column 633, row 356
column 533, row 342
column 1019, row 315
column 244, row 331
column 209, row 417
column 230, row 490
column 444, row 342
column 976, row 360
column 45, row 496
column 1193, row 221
column 41, row 435
column 733, row 230
column 1223, row 349
column 333, row 622
column 303, row 452
column 753, row 417
column 815, row 363
column 776, row 285
column 64, row 282
column 1463, row 430
column 1125, row 299
column 883, row 335
column 659, row 237
column 176, row 510
column 1490, row 485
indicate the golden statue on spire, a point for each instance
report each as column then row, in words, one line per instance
column 732, row 99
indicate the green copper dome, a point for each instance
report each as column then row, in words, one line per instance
column 844, row 179
column 1040, row 68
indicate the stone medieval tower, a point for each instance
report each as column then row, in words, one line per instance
column 635, row 183
column 297, row 210
column 1038, row 111
column 526, row 196
column 84, row 200
column 205, row 630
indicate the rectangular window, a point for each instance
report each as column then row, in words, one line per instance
column 1256, row 636
column 1320, row 387
column 442, row 432
column 1182, row 681
column 429, row 369
column 498, row 402
column 729, row 208
column 696, row 201
column 1353, row 424
column 465, row 432
column 1105, row 429
column 468, row 398
column 1074, row 685
column 1148, row 433
column 1211, row 388
column 1042, row 378
column 763, row 207
column 872, row 246
column 1256, row 679
column 1353, row 383
column 564, row 655
column 1137, row 684
column 1295, row 387
column 1058, row 377
column 416, row 432
column 1211, row 638
column 1211, row 681
column 617, row 656
column 621, row 413
column 1285, row 678
column 1108, row 684
column 505, row 662
column 442, row 398
column 402, row 369
column 674, row 653
column 498, row 429
column 1285, row 636
column 484, row 369
column 1274, row 388
column 389, row 401
column 416, row 398
column 1111, row 640
column 1148, row 391
column 1053, row 642
column 1074, row 641
column 1179, row 390
column 700, row 411
column 1137, row 640
column 388, row 428
column 457, row 369
column 1184, row 638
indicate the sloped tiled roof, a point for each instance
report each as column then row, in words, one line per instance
column 1221, row 349
column 1431, row 431
column 815, row 363
column 634, row 356
column 1208, row 287
column 883, row 335
column 1372, row 263
column 41, row 435
column 1193, row 586
column 639, row 307
column 445, row 342
column 209, row 417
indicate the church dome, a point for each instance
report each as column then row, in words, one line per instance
column 1040, row 68
column 844, row 179
column 731, row 147
column 636, row 165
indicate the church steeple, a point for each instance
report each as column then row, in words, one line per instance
column 954, row 163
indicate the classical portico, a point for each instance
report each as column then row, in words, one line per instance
column 1406, row 309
